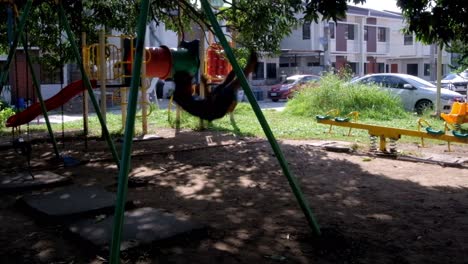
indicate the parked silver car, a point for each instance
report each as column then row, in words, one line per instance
column 415, row 93
column 457, row 82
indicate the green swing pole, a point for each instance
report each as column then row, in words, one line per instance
column 14, row 45
column 261, row 118
column 86, row 81
column 39, row 95
column 128, row 135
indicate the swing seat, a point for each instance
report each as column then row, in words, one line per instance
column 432, row 131
column 342, row 119
column 70, row 161
column 460, row 134
column 323, row 117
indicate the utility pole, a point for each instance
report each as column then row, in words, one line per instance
column 439, row 76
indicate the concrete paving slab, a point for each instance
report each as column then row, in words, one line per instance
column 141, row 226
column 143, row 138
column 73, row 200
column 337, row 148
column 58, row 119
column 151, row 137
column 446, row 158
column 23, row 181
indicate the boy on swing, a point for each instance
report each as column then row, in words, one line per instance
column 221, row 100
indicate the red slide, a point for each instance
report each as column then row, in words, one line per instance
column 67, row 93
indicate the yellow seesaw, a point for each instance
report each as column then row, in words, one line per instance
column 391, row 133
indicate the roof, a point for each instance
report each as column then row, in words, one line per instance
column 293, row 52
column 354, row 10
column 390, row 74
column 298, row 76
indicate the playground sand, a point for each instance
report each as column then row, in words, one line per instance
column 371, row 208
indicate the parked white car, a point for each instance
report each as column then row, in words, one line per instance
column 415, row 93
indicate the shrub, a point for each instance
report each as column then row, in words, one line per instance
column 333, row 93
column 5, row 113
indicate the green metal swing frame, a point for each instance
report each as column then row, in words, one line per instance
column 126, row 151
column 124, row 163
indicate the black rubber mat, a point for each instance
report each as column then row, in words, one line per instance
column 141, row 226
column 24, row 181
column 72, row 200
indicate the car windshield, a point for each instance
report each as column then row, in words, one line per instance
column 449, row 77
column 289, row 81
column 420, row 82
column 312, row 79
column 453, row 76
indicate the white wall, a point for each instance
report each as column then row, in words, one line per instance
column 294, row 41
column 49, row 90
column 159, row 35
column 6, row 94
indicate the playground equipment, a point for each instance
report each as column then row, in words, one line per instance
column 52, row 103
column 24, row 148
column 458, row 115
column 216, row 69
column 111, row 62
column 136, row 74
column 391, row 133
column 216, row 65
column 124, row 170
column 105, row 63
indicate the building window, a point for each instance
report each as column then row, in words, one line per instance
column 408, row 39
column 2, row 63
column 271, row 71
column 381, row 34
column 380, row 67
column 258, row 73
column 332, row 30
column 313, row 63
column 427, row 69
column 412, row 69
column 353, row 66
column 349, row 32
column 50, row 76
column 306, row 30
column 366, row 28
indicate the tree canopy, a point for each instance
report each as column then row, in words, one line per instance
column 439, row 21
column 436, row 21
column 259, row 24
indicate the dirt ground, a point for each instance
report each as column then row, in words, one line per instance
column 371, row 209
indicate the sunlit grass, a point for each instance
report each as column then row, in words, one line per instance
column 297, row 121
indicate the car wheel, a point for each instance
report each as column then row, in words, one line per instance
column 275, row 100
column 423, row 105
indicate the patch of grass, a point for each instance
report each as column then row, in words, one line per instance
column 333, row 93
column 285, row 125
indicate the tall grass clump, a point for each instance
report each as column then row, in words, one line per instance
column 335, row 93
